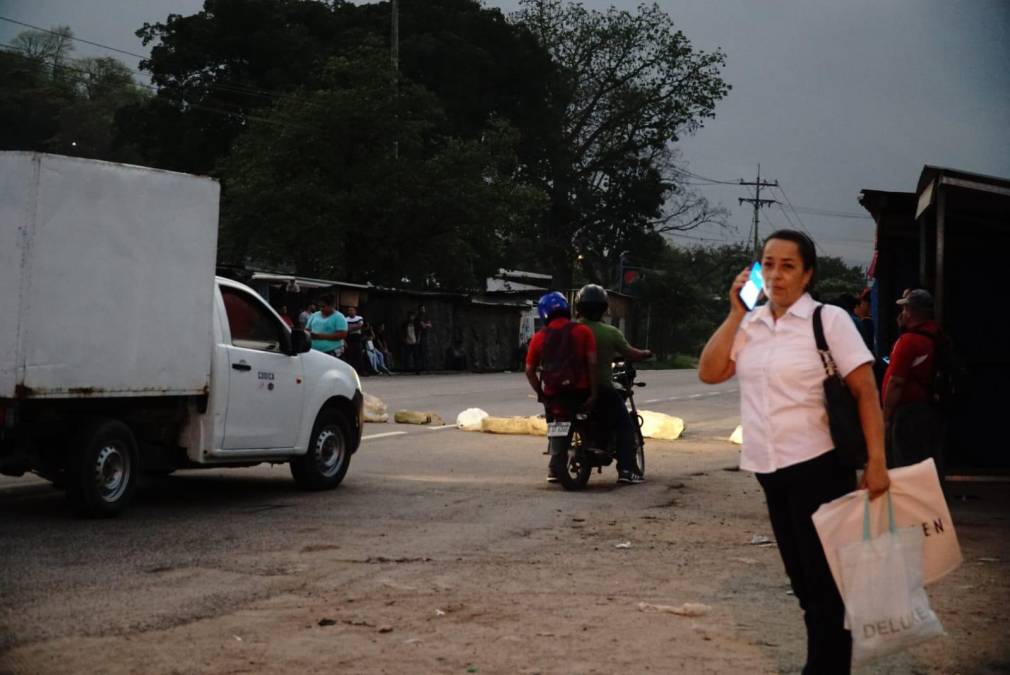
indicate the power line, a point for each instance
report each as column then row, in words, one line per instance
column 799, row 220
column 696, row 238
column 828, row 213
column 223, row 85
column 241, row 116
column 708, row 181
column 72, row 37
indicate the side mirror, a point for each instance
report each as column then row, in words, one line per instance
column 300, row 342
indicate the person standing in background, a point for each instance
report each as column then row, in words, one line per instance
column 327, row 329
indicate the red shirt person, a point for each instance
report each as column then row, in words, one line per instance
column 912, row 425
column 556, row 313
column 912, row 366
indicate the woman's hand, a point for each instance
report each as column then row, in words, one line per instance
column 875, row 478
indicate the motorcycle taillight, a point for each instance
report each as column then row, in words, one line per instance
column 557, row 411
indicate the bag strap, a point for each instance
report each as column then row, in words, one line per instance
column 822, row 344
column 891, row 527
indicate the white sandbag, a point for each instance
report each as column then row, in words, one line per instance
column 374, row 409
column 737, row 435
column 661, row 426
column 469, row 419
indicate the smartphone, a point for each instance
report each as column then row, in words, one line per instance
column 751, row 291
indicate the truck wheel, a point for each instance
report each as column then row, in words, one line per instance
column 327, row 459
column 102, row 471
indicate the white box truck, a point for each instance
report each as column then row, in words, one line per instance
column 122, row 353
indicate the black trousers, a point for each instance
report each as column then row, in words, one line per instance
column 916, row 434
column 793, row 494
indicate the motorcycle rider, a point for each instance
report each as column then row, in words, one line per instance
column 578, row 349
column 590, row 306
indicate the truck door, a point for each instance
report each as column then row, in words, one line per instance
column 265, row 390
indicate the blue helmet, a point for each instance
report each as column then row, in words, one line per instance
column 551, row 303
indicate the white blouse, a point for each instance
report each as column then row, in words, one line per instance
column 781, row 382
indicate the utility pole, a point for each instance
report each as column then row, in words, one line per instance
column 758, row 203
column 395, row 38
column 394, row 54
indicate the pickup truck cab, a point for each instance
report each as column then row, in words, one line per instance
column 122, row 353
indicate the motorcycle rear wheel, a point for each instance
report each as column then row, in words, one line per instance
column 571, row 468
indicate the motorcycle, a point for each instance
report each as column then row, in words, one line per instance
column 579, row 441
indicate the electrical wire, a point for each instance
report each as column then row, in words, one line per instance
column 72, row 37
column 223, row 85
column 241, row 116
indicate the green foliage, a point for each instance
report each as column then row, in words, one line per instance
column 356, row 180
column 54, row 103
column 683, row 295
column 836, row 277
column 216, row 67
column 628, row 85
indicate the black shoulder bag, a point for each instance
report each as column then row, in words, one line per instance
column 843, row 411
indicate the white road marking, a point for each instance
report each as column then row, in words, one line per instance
column 690, row 397
column 388, row 433
column 444, row 426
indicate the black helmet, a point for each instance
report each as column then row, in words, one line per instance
column 591, row 301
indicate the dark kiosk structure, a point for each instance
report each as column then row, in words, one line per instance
column 952, row 237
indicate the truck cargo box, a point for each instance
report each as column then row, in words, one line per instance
column 106, row 278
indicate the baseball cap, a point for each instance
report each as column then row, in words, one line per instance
column 917, row 299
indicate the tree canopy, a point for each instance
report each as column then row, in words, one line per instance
column 355, row 180
column 543, row 140
column 55, row 103
column 629, row 85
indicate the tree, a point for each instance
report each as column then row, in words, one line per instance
column 836, row 277
column 54, row 103
column 51, row 48
column 216, row 68
column 355, row 181
column 629, row 85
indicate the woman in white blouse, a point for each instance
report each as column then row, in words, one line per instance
column 785, row 426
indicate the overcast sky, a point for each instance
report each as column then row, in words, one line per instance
column 829, row 96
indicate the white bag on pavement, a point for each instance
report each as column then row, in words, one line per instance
column 886, row 607
column 470, row 419
column 918, row 501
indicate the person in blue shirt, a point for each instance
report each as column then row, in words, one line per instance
column 327, row 328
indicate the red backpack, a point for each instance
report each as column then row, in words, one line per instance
column 561, row 367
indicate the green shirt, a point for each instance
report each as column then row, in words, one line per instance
column 610, row 344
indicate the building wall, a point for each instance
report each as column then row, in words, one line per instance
column 486, row 336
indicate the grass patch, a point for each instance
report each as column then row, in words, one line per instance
column 672, row 362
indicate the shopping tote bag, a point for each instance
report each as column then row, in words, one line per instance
column 886, row 606
column 918, row 501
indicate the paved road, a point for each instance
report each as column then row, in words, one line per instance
column 708, row 410
column 231, row 570
column 214, row 519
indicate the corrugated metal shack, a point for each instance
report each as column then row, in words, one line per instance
column 467, row 332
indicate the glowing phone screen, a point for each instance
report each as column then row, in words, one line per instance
column 751, row 291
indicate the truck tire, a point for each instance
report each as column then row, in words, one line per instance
column 325, row 463
column 102, row 469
